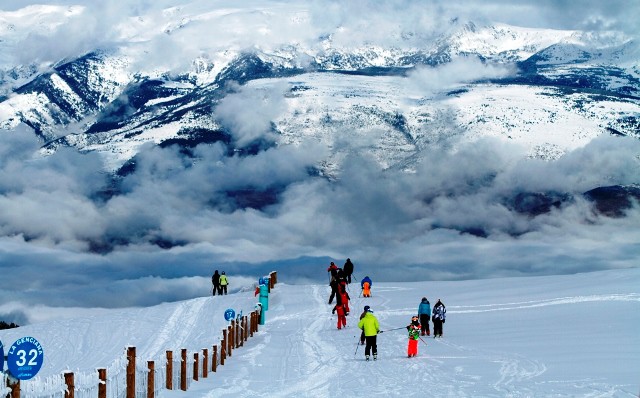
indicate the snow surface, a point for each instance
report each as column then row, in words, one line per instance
column 560, row 336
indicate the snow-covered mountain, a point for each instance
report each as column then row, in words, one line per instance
column 448, row 139
column 551, row 90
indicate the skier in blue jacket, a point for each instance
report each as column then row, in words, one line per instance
column 424, row 312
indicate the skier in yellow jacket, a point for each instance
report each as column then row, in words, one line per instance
column 370, row 326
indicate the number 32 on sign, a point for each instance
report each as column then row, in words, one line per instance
column 24, row 358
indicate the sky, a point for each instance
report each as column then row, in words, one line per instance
column 54, row 219
column 561, row 336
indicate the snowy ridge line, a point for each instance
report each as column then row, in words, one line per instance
column 87, row 384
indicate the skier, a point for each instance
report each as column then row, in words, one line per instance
column 344, row 298
column 215, row 281
column 414, row 335
column 365, row 284
column 334, row 289
column 424, row 312
column 342, row 318
column 439, row 315
column 333, row 268
column 362, row 338
column 348, row 270
column 369, row 324
column 224, row 282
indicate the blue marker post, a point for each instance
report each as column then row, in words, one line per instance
column 264, row 294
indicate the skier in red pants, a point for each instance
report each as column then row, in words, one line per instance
column 344, row 298
column 414, row 335
column 342, row 318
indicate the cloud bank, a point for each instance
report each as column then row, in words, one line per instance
column 71, row 236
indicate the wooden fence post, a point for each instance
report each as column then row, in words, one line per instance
column 243, row 333
column 183, row 370
column 251, row 322
column 257, row 320
column 274, row 277
column 151, row 379
column 71, row 388
column 205, row 363
column 223, row 347
column 169, row 376
column 131, row 372
column 230, row 342
column 14, row 385
column 102, row 386
column 236, row 337
column 214, row 360
column 196, row 366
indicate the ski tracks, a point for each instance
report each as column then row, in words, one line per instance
column 311, row 339
column 177, row 327
column 461, row 309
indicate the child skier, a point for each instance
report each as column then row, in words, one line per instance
column 342, row 319
column 366, row 286
column 414, row 335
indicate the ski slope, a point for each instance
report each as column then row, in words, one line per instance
column 572, row 335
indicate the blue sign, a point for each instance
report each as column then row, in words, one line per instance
column 229, row 314
column 1, row 357
column 24, row 358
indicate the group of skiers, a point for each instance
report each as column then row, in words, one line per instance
column 338, row 283
column 368, row 323
column 420, row 324
column 220, row 283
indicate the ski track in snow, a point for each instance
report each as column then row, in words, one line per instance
column 183, row 320
column 312, row 338
column 542, row 303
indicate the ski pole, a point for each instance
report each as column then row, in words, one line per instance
column 425, row 343
column 357, row 344
column 388, row 330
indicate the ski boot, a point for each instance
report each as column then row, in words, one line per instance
column 375, row 357
column 366, row 358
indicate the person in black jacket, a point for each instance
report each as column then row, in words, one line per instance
column 348, row 270
column 438, row 318
column 215, row 280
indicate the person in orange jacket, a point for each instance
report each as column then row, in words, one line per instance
column 342, row 318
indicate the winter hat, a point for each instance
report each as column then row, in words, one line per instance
column 367, row 308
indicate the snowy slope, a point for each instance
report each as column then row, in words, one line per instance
column 572, row 335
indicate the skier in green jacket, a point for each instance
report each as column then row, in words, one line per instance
column 370, row 326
